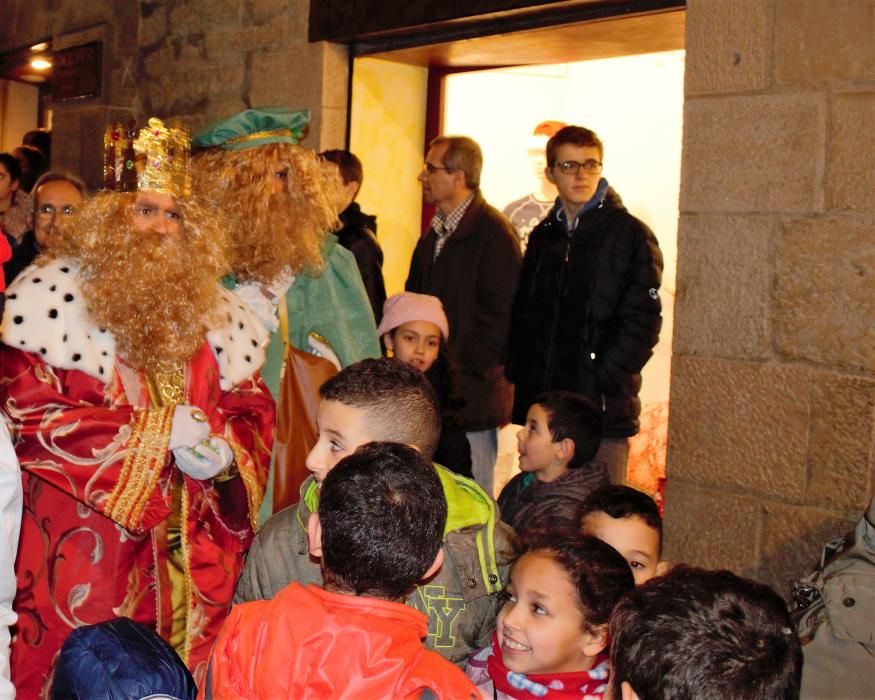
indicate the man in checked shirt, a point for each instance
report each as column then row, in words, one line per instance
column 470, row 259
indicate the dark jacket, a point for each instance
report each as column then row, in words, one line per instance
column 119, row 660
column 453, row 449
column 587, row 312
column 475, row 277
column 358, row 235
column 527, row 503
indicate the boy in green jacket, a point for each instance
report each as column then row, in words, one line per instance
column 386, row 400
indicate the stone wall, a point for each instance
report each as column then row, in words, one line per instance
column 77, row 138
column 191, row 59
column 202, row 61
column 773, row 374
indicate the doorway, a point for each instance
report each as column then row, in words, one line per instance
column 621, row 77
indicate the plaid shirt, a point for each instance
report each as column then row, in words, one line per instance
column 445, row 224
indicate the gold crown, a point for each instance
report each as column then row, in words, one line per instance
column 157, row 158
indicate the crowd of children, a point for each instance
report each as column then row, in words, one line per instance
column 321, row 609
column 397, row 577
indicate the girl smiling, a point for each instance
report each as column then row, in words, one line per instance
column 552, row 630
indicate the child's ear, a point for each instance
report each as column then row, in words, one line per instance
column 435, row 566
column 565, row 450
column 314, row 535
column 626, row 692
column 389, row 342
column 595, row 640
column 662, row 567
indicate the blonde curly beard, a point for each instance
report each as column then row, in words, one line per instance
column 156, row 293
column 270, row 232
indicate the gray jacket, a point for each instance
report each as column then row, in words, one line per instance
column 460, row 601
column 836, row 617
column 528, row 503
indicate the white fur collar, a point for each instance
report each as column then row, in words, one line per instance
column 239, row 343
column 46, row 315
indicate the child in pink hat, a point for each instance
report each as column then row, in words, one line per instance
column 415, row 330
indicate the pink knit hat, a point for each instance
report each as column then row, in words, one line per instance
column 409, row 306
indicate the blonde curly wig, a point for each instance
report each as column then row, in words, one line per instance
column 270, row 231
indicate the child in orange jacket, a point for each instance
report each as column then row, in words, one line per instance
column 378, row 531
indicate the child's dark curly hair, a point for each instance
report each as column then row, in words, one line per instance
column 597, row 571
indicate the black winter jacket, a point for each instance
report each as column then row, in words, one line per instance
column 475, row 277
column 358, row 235
column 587, row 312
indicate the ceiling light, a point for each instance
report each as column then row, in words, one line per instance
column 40, row 64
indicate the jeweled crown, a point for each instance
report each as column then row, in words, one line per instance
column 156, row 157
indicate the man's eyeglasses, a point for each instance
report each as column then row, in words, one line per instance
column 47, row 210
column 572, row 167
column 432, row 169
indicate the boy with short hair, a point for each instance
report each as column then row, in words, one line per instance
column 387, row 400
column 562, row 433
column 703, row 634
column 629, row 521
column 378, row 531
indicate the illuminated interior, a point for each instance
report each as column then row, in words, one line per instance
column 634, row 103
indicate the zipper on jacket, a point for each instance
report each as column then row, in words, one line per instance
column 554, row 328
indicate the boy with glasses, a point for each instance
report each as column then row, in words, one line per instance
column 587, row 312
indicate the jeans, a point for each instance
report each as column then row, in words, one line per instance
column 613, row 453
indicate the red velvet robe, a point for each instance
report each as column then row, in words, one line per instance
column 97, row 496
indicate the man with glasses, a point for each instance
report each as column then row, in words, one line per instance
column 587, row 312
column 470, row 259
column 56, row 197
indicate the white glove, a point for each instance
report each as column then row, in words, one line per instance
column 206, row 460
column 190, row 426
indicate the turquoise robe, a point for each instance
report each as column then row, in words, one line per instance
column 332, row 304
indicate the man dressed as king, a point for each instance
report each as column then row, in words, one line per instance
column 129, row 378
